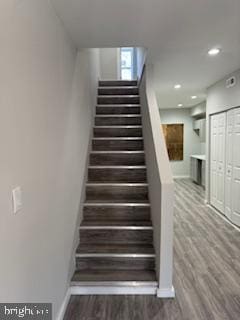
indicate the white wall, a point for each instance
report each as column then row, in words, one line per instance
column 79, row 133
column 141, row 54
column 219, row 99
column 161, row 186
column 110, row 63
column 191, row 139
column 199, row 110
column 44, row 136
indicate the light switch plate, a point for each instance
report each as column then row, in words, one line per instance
column 17, row 199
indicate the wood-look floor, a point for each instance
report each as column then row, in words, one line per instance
column 206, row 271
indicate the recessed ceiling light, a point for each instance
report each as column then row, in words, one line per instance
column 180, row 105
column 177, row 86
column 213, row 51
column 194, row 97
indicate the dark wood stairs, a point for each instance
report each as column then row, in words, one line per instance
column 116, row 236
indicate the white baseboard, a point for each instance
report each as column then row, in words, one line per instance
column 221, row 215
column 101, row 290
column 166, row 293
column 91, row 290
column 181, row 177
column 64, row 305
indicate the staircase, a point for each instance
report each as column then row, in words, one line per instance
column 116, row 236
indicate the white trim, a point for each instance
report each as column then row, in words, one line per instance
column 117, row 167
column 115, row 255
column 118, row 127
column 113, row 284
column 116, row 152
column 116, row 115
column 166, row 293
column 118, row 87
column 117, row 138
column 181, row 177
column 125, row 105
column 118, row 96
column 116, row 204
column 113, row 290
column 64, row 305
column 221, row 215
column 115, row 80
column 109, row 184
column 115, row 228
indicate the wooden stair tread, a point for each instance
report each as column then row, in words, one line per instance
column 114, row 275
column 116, row 248
column 109, row 200
column 114, row 203
column 115, row 223
column 117, row 83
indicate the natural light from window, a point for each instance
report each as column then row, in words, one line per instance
column 126, row 63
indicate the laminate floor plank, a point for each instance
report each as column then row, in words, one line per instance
column 206, row 271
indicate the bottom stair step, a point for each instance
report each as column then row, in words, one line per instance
column 114, row 278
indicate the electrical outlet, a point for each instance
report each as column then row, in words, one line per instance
column 17, row 199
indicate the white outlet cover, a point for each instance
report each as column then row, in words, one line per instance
column 17, row 199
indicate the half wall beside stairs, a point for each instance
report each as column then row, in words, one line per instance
column 160, row 184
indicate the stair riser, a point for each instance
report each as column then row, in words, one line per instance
column 124, row 159
column 113, row 249
column 116, row 223
column 117, row 110
column 117, row 83
column 117, row 132
column 117, row 145
column 116, row 236
column 118, row 91
column 115, row 263
column 118, row 100
column 116, row 213
column 117, row 175
column 115, row 121
column 121, row 193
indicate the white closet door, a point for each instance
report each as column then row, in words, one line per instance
column 236, row 169
column 221, row 161
column 229, row 164
column 218, row 129
column 213, row 160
